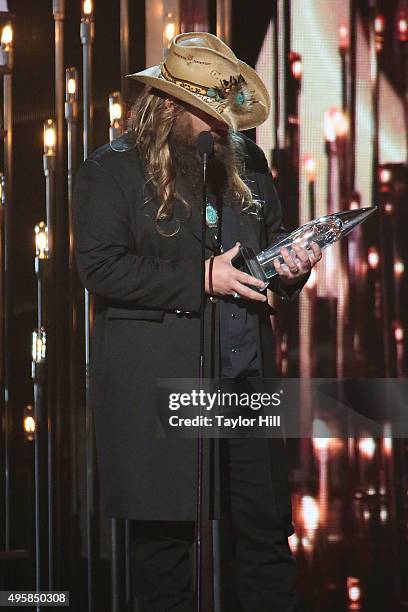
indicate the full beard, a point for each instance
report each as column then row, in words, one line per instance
column 189, row 167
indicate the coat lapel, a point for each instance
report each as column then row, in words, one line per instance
column 249, row 231
column 194, row 226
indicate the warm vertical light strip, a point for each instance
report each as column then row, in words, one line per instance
column 392, row 141
column 265, row 134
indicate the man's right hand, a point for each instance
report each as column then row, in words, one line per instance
column 227, row 280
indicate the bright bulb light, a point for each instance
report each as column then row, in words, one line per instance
column 170, row 31
column 87, row 7
column 29, row 424
column 297, row 69
column 379, row 24
column 310, row 168
column 321, row 435
column 310, row 514
column 399, row 268
column 41, row 240
column 71, row 86
column 385, row 175
column 367, row 447
column 38, row 345
column 340, row 123
column 336, row 124
column 399, row 333
column 7, row 36
column 354, row 593
column 344, row 36
column 387, row 439
column 373, row 258
column 50, row 136
column 403, row 26
column 116, row 111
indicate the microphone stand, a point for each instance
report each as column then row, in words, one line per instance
column 205, row 144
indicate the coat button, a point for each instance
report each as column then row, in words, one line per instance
column 183, row 313
column 234, row 350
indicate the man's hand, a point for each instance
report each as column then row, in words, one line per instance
column 227, row 280
column 297, row 263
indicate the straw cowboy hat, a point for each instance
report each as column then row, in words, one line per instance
column 201, row 70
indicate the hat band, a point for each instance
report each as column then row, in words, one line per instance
column 232, row 92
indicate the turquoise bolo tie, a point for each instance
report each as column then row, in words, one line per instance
column 211, row 215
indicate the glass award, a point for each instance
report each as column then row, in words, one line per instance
column 324, row 231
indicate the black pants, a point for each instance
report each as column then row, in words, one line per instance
column 262, row 566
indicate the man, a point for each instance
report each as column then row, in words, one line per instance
column 138, row 246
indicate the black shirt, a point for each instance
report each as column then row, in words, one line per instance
column 238, row 337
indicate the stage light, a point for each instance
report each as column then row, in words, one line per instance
column 354, row 593
column 366, row 515
column 310, row 515
column 402, row 26
column 354, row 201
column 387, row 440
column 71, row 85
column 87, row 8
column 39, row 341
column 50, row 137
column 329, row 132
column 383, row 514
column 385, row 175
column 341, row 124
column 296, row 65
column 344, row 37
column 115, row 107
column 379, row 27
column 41, row 240
column 321, row 444
column 310, row 168
column 389, row 208
column 398, row 333
column 367, row 447
column 399, row 268
column 116, row 115
column 373, row 258
column 379, row 24
column 7, row 37
column 169, row 28
column 336, row 124
column 321, row 436
column 29, row 423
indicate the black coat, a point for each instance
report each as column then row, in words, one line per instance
column 143, row 285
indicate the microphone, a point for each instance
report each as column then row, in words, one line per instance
column 205, row 146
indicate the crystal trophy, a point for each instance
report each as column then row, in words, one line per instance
column 324, row 231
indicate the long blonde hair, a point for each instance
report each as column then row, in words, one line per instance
column 151, row 122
